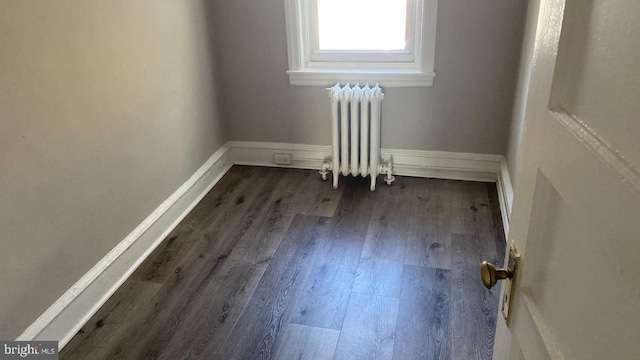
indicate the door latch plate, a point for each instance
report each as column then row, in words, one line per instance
column 508, row 284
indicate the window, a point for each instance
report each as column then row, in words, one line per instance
column 386, row 41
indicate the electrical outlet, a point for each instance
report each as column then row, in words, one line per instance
column 282, row 159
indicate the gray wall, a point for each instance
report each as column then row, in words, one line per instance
column 467, row 110
column 106, row 108
column 522, row 90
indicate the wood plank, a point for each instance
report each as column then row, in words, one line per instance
column 258, row 328
column 474, row 307
column 461, row 205
column 475, row 319
column 235, row 263
column 382, row 259
column 387, row 234
column 229, row 199
column 487, row 241
column 311, row 195
column 326, row 288
column 102, row 334
column 192, row 273
column 369, row 328
column 424, row 328
column 314, row 196
column 383, row 277
column 429, row 242
column 217, row 306
column 307, row 342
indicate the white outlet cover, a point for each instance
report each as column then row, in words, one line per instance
column 282, row 159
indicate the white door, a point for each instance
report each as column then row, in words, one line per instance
column 576, row 214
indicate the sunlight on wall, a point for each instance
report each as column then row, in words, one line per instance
column 362, row 24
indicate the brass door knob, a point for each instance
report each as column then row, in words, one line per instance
column 490, row 275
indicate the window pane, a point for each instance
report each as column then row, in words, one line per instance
column 362, row 24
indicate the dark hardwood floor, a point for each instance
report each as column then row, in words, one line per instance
column 276, row 264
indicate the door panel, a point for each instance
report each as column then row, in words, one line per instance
column 581, row 262
column 596, row 77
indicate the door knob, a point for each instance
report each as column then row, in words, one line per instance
column 490, row 275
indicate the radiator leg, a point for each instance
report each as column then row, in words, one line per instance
column 324, row 170
column 373, row 183
column 335, row 178
column 387, row 170
column 389, row 178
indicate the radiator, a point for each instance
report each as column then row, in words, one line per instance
column 355, row 132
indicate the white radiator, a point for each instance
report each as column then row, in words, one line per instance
column 355, row 130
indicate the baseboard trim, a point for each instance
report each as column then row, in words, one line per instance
column 505, row 196
column 443, row 165
column 74, row 308
column 261, row 154
column 419, row 163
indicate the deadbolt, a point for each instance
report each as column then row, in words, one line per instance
column 490, row 275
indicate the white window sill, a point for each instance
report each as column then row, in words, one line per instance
column 385, row 78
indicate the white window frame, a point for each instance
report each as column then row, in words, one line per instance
column 309, row 66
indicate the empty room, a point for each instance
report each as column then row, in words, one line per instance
column 319, row 179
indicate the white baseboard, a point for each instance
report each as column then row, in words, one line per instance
column 436, row 164
column 505, row 196
column 76, row 306
column 443, row 164
column 261, row 154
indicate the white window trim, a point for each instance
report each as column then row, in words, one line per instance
column 412, row 67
